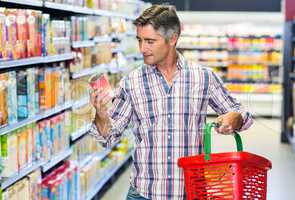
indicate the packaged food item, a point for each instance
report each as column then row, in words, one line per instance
column 11, row 98
column 23, row 189
column 12, row 51
column 31, row 84
column 30, row 143
column 41, row 88
column 22, row 94
column 45, row 32
column 12, row 193
column 37, row 145
column 22, row 33
column 3, row 38
column 3, row 99
column 9, row 154
column 35, row 185
column 22, row 144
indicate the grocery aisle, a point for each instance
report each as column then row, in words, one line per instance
column 263, row 139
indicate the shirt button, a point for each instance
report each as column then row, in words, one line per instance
column 169, row 157
column 169, row 136
column 169, row 116
column 169, row 176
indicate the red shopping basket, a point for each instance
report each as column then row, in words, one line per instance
column 235, row 175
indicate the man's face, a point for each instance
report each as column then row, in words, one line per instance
column 152, row 45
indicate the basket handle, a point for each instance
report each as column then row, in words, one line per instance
column 207, row 140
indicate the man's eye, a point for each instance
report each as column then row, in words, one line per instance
column 150, row 42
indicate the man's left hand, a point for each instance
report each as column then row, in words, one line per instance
column 229, row 123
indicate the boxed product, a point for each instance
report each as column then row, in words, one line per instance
column 12, row 193
column 11, row 34
column 23, row 190
column 22, row 34
column 3, row 39
column 22, row 95
column 41, row 88
column 11, row 98
column 45, row 31
column 30, row 143
column 32, row 93
column 35, row 185
column 9, row 154
column 3, row 99
column 22, row 145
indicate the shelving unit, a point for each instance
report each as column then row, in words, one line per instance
column 56, row 159
column 24, row 172
column 229, row 57
column 13, row 65
column 109, row 173
column 38, row 117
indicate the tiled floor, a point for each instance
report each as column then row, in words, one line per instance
column 264, row 139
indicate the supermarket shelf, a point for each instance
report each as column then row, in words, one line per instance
column 82, row 131
column 35, row 3
column 201, row 48
column 118, row 50
column 99, row 155
column 81, row 102
column 24, row 172
column 102, row 39
column 85, row 10
column 110, row 173
column 58, row 58
column 135, row 56
column 35, row 60
column 214, row 64
column 86, row 72
column 80, row 44
column 68, row 8
column 259, row 97
column 40, row 116
column 20, row 62
column 55, row 160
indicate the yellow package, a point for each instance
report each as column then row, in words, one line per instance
column 35, row 185
column 22, row 189
column 12, row 193
column 3, row 99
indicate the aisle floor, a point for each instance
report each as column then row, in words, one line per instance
column 264, row 139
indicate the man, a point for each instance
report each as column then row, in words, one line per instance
column 166, row 100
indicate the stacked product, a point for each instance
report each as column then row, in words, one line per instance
column 29, row 33
column 62, row 183
column 26, row 189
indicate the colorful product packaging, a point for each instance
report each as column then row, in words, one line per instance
column 9, row 154
column 22, row 95
column 3, row 99
column 22, row 144
column 11, row 98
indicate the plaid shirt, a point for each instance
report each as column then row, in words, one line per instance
column 167, row 123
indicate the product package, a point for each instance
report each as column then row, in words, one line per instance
column 11, row 98
column 9, row 154
column 3, row 99
column 22, row 95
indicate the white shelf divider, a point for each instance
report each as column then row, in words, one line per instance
column 82, row 131
column 55, row 160
column 38, row 117
column 23, row 172
column 108, row 175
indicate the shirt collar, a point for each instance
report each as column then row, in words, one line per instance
column 179, row 64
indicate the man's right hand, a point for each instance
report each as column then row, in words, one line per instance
column 101, row 100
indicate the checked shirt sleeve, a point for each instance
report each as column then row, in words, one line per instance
column 222, row 102
column 121, row 113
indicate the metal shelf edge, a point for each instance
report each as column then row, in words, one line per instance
column 80, row 132
column 35, row 3
column 24, row 172
column 106, row 178
column 55, row 160
column 40, row 116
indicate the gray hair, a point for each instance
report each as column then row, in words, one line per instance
column 163, row 18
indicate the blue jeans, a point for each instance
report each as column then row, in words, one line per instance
column 134, row 195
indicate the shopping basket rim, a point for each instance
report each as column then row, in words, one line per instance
column 226, row 157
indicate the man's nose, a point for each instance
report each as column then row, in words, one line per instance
column 142, row 47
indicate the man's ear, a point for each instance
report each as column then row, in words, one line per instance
column 173, row 39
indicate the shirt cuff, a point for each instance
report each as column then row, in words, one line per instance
column 97, row 135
